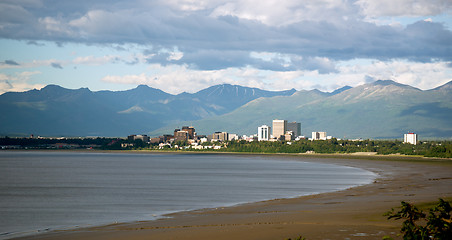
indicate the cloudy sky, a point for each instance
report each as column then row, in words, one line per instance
column 188, row 45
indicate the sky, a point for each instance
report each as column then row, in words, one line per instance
column 188, row 45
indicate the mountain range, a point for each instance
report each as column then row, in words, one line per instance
column 382, row 109
column 57, row 111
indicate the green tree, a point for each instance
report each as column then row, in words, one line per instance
column 438, row 224
column 439, row 221
column 298, row 238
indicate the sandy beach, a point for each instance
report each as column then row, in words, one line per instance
column 355, row 213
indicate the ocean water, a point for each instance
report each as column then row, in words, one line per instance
column 45, row 191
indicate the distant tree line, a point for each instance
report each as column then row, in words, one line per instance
column 442, row 149
column 50, row 143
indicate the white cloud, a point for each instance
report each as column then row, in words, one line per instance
column 93, row 60
column 101, row 21
column 18, row 82
column 375, row 8
column 178, row 78
column 175, row 55
column 189, row 5
column 57, row 27
column 280, row 13
column 268, row 44
column 421, row 75
column 353, row 73
column 311, row 28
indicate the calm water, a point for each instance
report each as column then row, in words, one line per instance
column 41, row 191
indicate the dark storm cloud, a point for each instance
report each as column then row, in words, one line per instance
column 35, row 43
column 206, row 59
column 56, row 65
column 219, row 42
column 11, row 62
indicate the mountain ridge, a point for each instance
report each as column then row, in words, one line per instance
column 382, row 109
column 56, row 111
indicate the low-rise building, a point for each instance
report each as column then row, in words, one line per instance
column 250, row 138
column 156, row 140
column 197, row 147
column 220, row 136
column 233, row 136
column 289, row 136
column 143, row 138
column 126, row 145
column 319, row 136
column 163, row 145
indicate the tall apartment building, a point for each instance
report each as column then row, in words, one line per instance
column 279, row 128
column 318, row 135
column 263, row 133
column 295, row 128
column 410, row 138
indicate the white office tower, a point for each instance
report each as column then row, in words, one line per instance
column 263, row 133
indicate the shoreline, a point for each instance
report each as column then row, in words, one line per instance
column 355, row 155
column 339, row 214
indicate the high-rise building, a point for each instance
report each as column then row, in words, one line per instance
column 318, row 135
column 190, row 130
column 181, row 136
column 410, row 138
column 295, row 128
column 263, row 133
column 279, row 128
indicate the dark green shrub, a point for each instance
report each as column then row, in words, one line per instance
column 438, row 223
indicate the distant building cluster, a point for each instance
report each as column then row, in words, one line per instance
column 185, row 135
column 281, row 130
column 286, row 131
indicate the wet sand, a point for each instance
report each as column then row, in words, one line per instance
column 355, row 213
